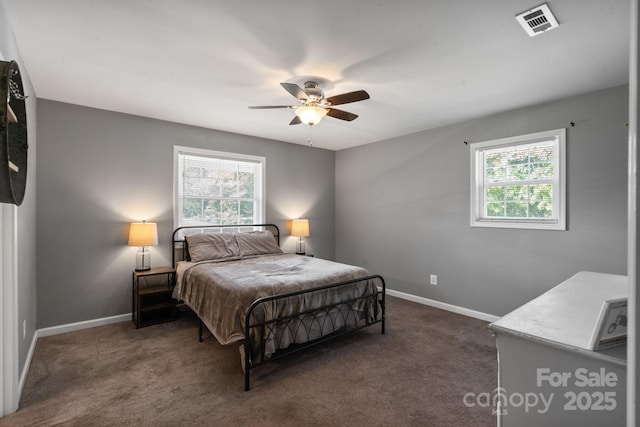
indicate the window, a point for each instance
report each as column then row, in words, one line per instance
column 519, row 182
column 212, row 187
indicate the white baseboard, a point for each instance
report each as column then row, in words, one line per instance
column 27, row 364
column 444, row 306
column 70, row 327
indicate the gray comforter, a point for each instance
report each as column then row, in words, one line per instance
column 220, row 292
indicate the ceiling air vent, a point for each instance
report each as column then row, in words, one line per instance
column 537, row 20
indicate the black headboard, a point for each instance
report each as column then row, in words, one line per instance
column 179, row 248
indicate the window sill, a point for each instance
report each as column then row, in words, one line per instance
column 526, row 225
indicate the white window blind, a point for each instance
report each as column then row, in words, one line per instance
column 217, row 188
column 518, row 182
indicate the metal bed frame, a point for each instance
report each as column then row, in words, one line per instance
column 301, row 322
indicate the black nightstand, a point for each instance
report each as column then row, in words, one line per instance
column 151, row 300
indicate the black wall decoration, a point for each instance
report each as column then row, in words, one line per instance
column 13, row 134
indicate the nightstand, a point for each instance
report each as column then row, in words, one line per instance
column 151, row 296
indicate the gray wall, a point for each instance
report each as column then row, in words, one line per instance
column 26, row 213
column 401, row 205
column 98, row 171
column 402, row 208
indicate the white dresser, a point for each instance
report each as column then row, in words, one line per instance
column 548, row 375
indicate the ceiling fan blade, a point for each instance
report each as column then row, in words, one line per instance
column 340, row 114
column 296, row 121
column 295, row 90
column 261, row 107
column 345, row 98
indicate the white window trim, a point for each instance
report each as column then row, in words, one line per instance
column 10, row 390
column 177, row 150
column 559, row 191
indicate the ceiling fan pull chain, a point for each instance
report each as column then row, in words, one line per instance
column 309, row 139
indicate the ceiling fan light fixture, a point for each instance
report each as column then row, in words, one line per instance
column 310, row 115
column 314, row 106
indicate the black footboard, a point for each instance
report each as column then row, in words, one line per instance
column 313, row 325
column 328, row 311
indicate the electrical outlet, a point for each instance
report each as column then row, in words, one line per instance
column 434, row 280
column 24, row 329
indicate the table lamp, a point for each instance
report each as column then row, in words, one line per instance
column 300, row 228
column 143, row 234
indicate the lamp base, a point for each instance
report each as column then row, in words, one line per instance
column 143, row 260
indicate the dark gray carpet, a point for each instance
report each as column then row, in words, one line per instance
column 415, row 375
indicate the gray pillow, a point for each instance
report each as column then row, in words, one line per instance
column 203, row 247
column 257, row 243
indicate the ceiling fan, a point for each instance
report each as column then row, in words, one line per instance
column 314, row 106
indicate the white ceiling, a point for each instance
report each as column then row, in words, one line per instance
column 424, row 63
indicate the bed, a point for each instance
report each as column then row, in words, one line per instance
column 245, row 290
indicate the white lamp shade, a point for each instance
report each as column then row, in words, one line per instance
column 143, row 234
column 310, row 115
column 300, row 227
